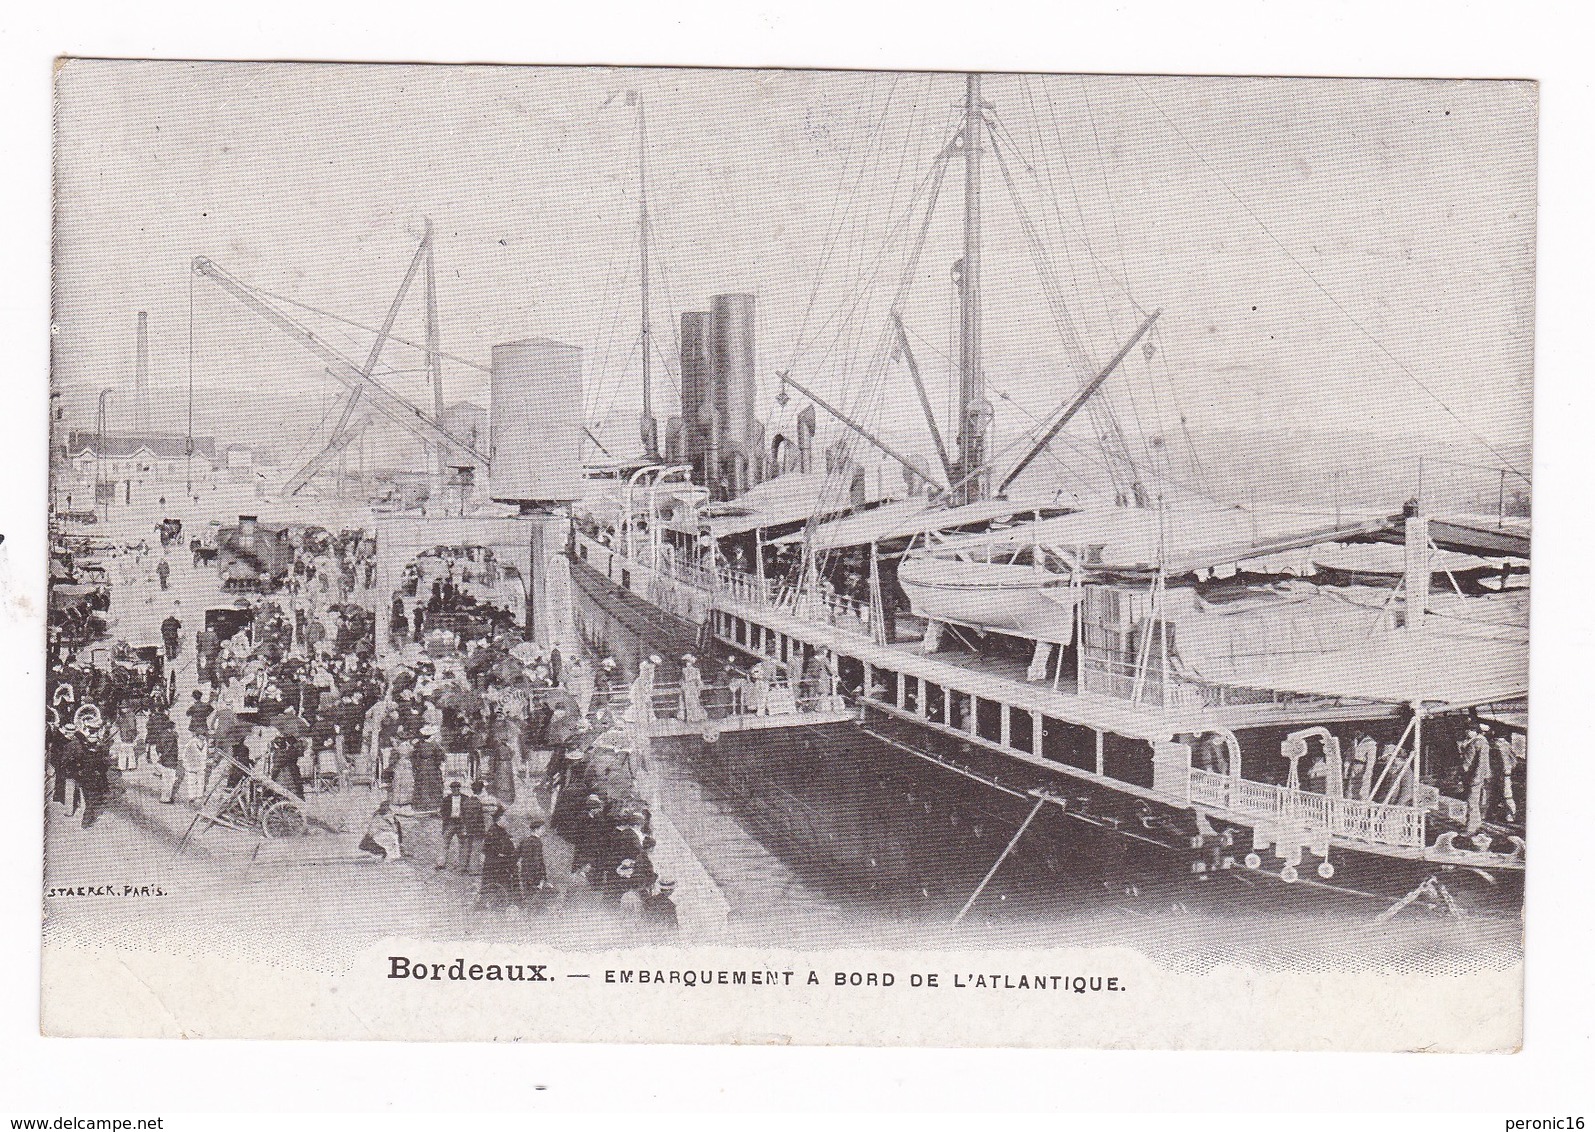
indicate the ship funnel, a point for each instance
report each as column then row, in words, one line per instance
column 697, row 393
column 735, row 388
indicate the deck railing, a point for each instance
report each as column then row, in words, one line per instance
column 781, row 695
column 1343, row 817
column 735, row 585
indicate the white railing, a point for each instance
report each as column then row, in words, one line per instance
column 834, row 609
column 781, row 695
column 1344, row 817
column 654, row 583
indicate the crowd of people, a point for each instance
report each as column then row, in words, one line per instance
column 484, row 750
column 465, row 738
column 449, row 597
column 333, row 566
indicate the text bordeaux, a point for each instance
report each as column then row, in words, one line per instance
column 401, row 968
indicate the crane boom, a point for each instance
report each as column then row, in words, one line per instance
column 842, row 417
column 338, row 444
column 379, row 397
column 1074, row 404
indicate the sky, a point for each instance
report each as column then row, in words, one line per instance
column 1340, row 264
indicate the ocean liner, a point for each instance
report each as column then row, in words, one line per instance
column 989, row 673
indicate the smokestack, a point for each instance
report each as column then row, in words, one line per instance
column 734, row 387
column 141, row 376
column 697, row 392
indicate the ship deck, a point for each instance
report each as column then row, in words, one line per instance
column 985, row 675
column 1002, row 679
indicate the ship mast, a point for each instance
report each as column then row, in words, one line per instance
column 973, row 412
column 649, row 427
column 434, row 357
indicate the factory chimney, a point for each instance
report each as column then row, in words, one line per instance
column 141, row 376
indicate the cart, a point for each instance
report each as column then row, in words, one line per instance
column 246, row 800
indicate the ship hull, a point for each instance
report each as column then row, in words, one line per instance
column 898, row 812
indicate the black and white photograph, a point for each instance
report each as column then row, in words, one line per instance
column 738, row 555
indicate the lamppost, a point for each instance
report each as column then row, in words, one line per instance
column 99, row 450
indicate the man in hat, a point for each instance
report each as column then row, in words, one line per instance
column 196, row 761
column 566, row 775
column 1475, row 752
column 762, row 676
column 207, row 645
column 1506, row 763
column 532, row 865
column 606, row 680
column 284, row 765
column 164, row 745
column 170, row 628
column 198, row 715
column 462, row 822
column 587, row 834
column 93, row 773
column 69, row 767
column 489, row 802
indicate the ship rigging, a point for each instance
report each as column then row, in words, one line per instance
column 1160, row 670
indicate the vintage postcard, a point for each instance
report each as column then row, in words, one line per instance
column 616, row 554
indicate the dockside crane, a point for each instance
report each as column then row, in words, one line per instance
column 367, row 396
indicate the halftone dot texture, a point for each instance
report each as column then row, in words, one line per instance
column 1345, row 273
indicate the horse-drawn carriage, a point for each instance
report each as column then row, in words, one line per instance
column 136, row 673
column 74, row 621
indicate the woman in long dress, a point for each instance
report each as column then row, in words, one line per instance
column 427, row 760
column 196, row 756
column 403, row 790
column 503, row 777
column 579, row 681
column 642, row 692
column 692, row 709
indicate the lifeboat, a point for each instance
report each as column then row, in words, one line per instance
column 999, row 596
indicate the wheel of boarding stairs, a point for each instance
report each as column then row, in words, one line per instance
column 1326, row 870
column 1288, row 874
column 1253, row 861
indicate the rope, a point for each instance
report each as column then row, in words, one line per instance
column 1313, row 279
column 361, row 326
